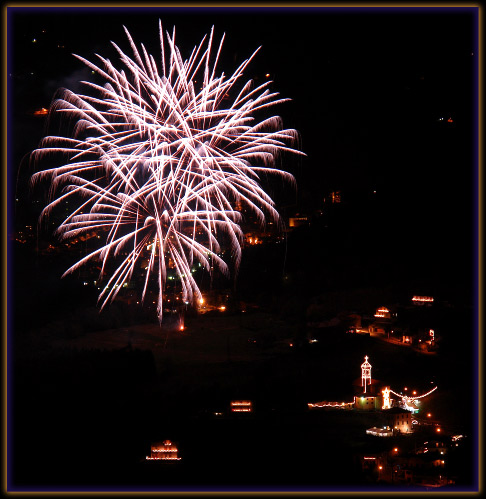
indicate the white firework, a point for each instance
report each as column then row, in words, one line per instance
column 156, row 163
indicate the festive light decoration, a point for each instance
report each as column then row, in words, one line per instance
column 166, row 451
column 334, row 405
column 414, row 398
column 370, row 402
column 432, row 334
column 365, row 373
column 241, row 406
column 423, row 299
column 157, row 160
column 386, row 398
column 382, row 312
column 407, row 401
column 379, row 432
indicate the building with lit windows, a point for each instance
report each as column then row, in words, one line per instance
column 241, row 406
column 371, row 395
column 422, row 300
column 165, row 451
column 399, row 419
column 367, row 402
column 333, row 197
column 298, row 221
column 383, row 313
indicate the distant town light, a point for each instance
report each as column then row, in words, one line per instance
column 241, row 406
column 423, row 299
column 165, row 451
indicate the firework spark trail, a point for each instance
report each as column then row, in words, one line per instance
column 158, row 163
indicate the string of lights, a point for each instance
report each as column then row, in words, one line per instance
column 403, row 397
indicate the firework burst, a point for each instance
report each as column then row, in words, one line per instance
column 156, row 163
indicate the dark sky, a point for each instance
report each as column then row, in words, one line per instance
column 369, row 87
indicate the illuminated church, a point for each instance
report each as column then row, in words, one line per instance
column 369, row 393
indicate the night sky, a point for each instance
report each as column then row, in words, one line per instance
column 384, row 100
column 368, row 90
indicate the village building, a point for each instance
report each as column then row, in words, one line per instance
column 399, row 419
column 165, row 451
column 241, row 406
column 367, row 403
